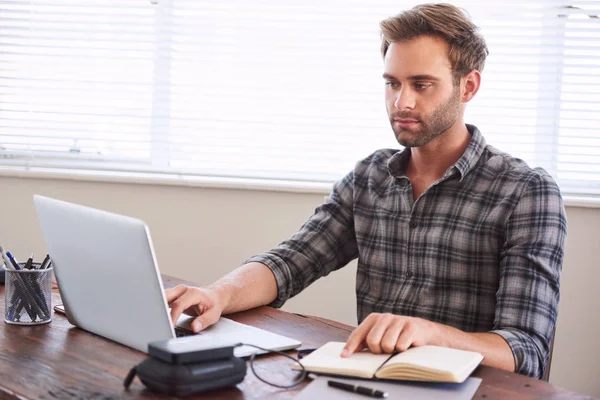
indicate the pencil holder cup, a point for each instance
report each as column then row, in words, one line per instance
column 28, row 296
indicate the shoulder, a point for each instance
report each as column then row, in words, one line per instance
column 512, row 179
column 506, row 168
column 376, row 164
column 371, row 171
column 378, row 159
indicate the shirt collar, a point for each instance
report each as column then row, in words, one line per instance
column 397, row 163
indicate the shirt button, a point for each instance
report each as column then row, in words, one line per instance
column 409, row 274
column 412, row 225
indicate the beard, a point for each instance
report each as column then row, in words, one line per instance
column 428, row 127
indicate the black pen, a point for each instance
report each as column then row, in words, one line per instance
column 358, row 389
column 44, row 265
column 29, row 262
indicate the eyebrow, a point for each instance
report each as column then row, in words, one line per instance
column 423, row 77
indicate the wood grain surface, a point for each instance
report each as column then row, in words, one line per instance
column 59, row 361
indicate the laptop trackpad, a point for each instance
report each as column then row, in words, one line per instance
column 227, row 332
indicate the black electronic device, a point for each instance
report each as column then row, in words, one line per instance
column 177, row 369
column 186, row 379
column 187, row 350
column 184, row 366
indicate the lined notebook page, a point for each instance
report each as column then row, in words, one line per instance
column 327, row 359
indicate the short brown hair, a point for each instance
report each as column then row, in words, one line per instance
column 467, row 47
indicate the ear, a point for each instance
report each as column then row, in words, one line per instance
column 470, row 85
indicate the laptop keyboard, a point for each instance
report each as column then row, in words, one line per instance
column 180, row 332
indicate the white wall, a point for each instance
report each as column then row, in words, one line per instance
column 200, row 234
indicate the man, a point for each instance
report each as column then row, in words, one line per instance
column 458, row 244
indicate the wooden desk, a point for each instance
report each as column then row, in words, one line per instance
column 59, row 361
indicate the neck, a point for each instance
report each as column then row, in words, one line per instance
column 433, row 159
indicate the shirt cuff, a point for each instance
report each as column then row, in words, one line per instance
column 525, row 352
column 282, row 273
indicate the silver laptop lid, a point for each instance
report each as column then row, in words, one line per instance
column 101, row 262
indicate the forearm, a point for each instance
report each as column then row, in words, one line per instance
column 246, row 287
column 494, row 348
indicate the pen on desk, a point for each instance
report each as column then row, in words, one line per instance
column 357, row 389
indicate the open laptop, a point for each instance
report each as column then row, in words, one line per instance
column 110, row 283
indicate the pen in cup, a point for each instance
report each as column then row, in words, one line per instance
column 29, row 262
column 30, row 292
column 12, row 260
column 46, row 262
column 34, row 302
column 10, row 264
column 31, row 303
column 7, row 261
column 39, row 296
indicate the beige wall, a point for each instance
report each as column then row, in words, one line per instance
column 199, row 234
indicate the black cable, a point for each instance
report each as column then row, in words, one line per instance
column 303, row 371
column 130, row 376
column 132, row 373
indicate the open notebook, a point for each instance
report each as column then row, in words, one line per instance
column 425, row 363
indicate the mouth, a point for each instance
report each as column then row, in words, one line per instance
column 405, row 122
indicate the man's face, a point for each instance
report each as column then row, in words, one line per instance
column 421, row 99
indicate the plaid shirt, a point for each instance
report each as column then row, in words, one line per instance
column 480, row 250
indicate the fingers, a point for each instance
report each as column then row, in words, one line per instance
column 206, row 319
column 194, row 301
column 385, row 333
column 176, row 312
column 391, row 335
column 356, row 341
column 174, row 296
column 406, row 338
column 173, row 293
column 375, row 336
column 187, row 297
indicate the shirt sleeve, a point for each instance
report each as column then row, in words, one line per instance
column 326, row 242
column 530, row 267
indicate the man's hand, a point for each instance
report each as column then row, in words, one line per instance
column 386, row 333
column 246, row 287
column 202, row 302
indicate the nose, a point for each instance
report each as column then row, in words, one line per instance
column 404, row 99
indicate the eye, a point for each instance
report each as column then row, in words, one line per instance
column 422, row 86
column 392, row 84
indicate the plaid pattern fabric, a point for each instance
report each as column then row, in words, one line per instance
column 481, row 249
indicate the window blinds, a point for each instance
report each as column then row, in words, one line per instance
column 276, row 90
